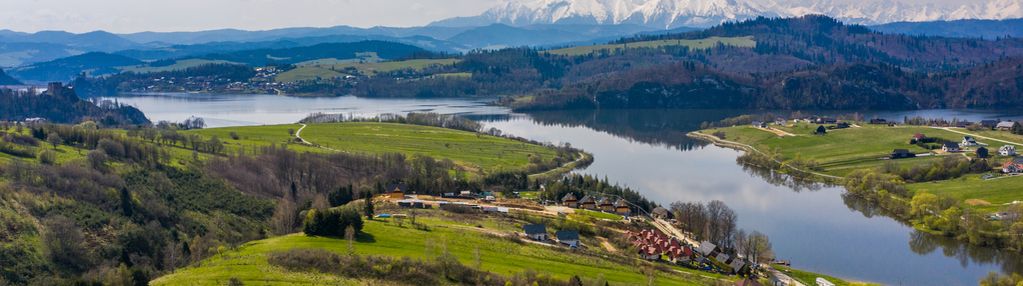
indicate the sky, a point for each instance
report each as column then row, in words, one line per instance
column 126, row 16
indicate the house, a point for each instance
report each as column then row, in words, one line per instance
column 826, row 120
column 737, row 264
column 1007, row 150
column 661, row 213
column 536, row 232
column 622, row 207
column 950, row 147
column 396, row 191
column 1005, row 126
column 878, row 121
column 759, row 124
column 605, row 205
column 706, row 248
column 649, row 253
column 1014, row 166
column 982, row 152
column 569, row 238
column 588, row 203
column 919, row 138
column 989, row 124
column 963, row 124
column 969, row 141
column 570, row 201
column 842, row 125
column 901, row 154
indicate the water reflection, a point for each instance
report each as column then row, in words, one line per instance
column 813, row 225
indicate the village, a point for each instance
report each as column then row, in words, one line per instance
column 650, row 236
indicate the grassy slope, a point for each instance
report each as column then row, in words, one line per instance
column 372, row 68
column 988, row 195
column 468, row 149
column 692, row 44
column 464, row 148
column 840, row 151
column 498, row 255
column 307, row 73
column 179, row 65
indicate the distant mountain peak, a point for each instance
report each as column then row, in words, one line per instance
column 676, row 13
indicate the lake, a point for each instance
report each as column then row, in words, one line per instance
column 814, row 226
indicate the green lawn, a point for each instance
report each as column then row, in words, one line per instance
column 840, row 151
column 249, row 262
column 988, row 195
column 179, row 65
column 471, row 150
column 597, row 215
column 307, row 73
column 476, row 153
column 692, row 44
column 371, row 68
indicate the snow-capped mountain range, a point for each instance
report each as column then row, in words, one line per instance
column 701, row 13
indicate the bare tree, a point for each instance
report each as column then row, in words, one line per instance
column 284, row 217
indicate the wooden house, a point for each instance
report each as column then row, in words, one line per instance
column 622, row 207
column 570, row 200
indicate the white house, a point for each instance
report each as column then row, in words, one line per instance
column 536, row 232
column 1007, row 150
column 569, row 238
column 969, row 141
column 950, row 147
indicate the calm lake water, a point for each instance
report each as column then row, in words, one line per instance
column 815, row 227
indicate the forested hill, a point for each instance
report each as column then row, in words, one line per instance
column 7, row 79
column 61, row 105
column 258, row 57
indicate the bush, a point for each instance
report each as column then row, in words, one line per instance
column 47, row 157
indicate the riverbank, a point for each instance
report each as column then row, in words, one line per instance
column 958, row 194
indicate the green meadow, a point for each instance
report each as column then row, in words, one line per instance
column 307, row 74
column 177, row 66
column 475, row 152
column 699, row 44
column 371, row 68
column 500, row 255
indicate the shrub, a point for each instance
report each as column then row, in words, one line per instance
column 47, row 157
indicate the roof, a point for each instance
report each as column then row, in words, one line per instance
column 1006, row 124
column 900, row 151
column 604, row 202
column 1007, row 147
column 532, row 229
column 587, row 199
column 569, row 197
column 952, row 145
column 660, row 211
column 621, row 203
column 399, row 187
column 968, row 138
column 567, row 235
column 919, row 136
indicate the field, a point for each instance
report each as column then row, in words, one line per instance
column 477, row 153
column 179, row 65
column 692, row 44
column 988, row 195
column 840, row 151
column 497, row 254
column 371, row 68
column 307, row 73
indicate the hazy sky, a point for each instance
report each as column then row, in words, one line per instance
column 123, row 16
